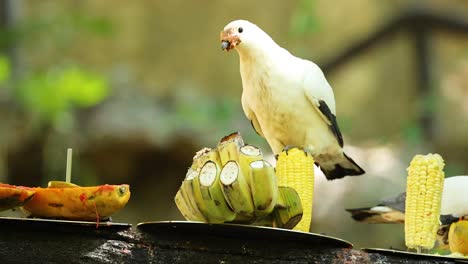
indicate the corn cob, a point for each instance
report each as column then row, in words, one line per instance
column 228, row 147
column 209, row 196
column 295, row 169
column 236, row 190
column 458, row 237
column 264, row 187
column 424, row 187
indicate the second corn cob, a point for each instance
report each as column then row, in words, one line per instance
column 423, row 200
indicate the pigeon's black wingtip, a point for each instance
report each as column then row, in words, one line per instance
column 340, row 171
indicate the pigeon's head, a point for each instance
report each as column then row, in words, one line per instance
column 242, row 34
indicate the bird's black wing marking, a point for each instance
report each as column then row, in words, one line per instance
column 323, row 107
column 253, row 121
column 362, row 214
column 448, row 219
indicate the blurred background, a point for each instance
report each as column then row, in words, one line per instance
column 135, row 88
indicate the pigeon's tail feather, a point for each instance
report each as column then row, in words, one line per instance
column 344, row 167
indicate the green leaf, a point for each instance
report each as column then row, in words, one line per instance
column 4, row 69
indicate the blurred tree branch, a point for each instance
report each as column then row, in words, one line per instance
column 421, row 24
column 412, row 21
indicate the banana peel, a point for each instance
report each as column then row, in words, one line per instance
column 12, row 196
column 63, row 200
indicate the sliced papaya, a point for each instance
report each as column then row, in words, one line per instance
column 12, row 196
column 78, row 203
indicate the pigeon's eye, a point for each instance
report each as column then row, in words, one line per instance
column 240, row 30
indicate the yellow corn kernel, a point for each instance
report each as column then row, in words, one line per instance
column 424, row 187
column 295, row 169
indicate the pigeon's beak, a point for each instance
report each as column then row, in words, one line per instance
column 229, row 39
column 225, row 44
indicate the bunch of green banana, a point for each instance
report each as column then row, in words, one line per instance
column 233, row 184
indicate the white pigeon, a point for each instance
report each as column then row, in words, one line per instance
column 287, row 99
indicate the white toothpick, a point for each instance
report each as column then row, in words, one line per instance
column 69, row 165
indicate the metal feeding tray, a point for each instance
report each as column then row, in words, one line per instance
column 413, row 255
column 198, row 231
column 33, row 240
column 38, row 223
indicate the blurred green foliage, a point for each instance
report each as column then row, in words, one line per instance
column 49, row 91
column 56, row 91
column 304, row 20
column 413, row 134
column 4, row 69
column 207, row 111
column 454, row 169
column 61, row 29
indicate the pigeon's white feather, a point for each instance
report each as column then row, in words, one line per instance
column 455, row 196
column 316, row 87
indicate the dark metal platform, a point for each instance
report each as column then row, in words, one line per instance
column 25, row 240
